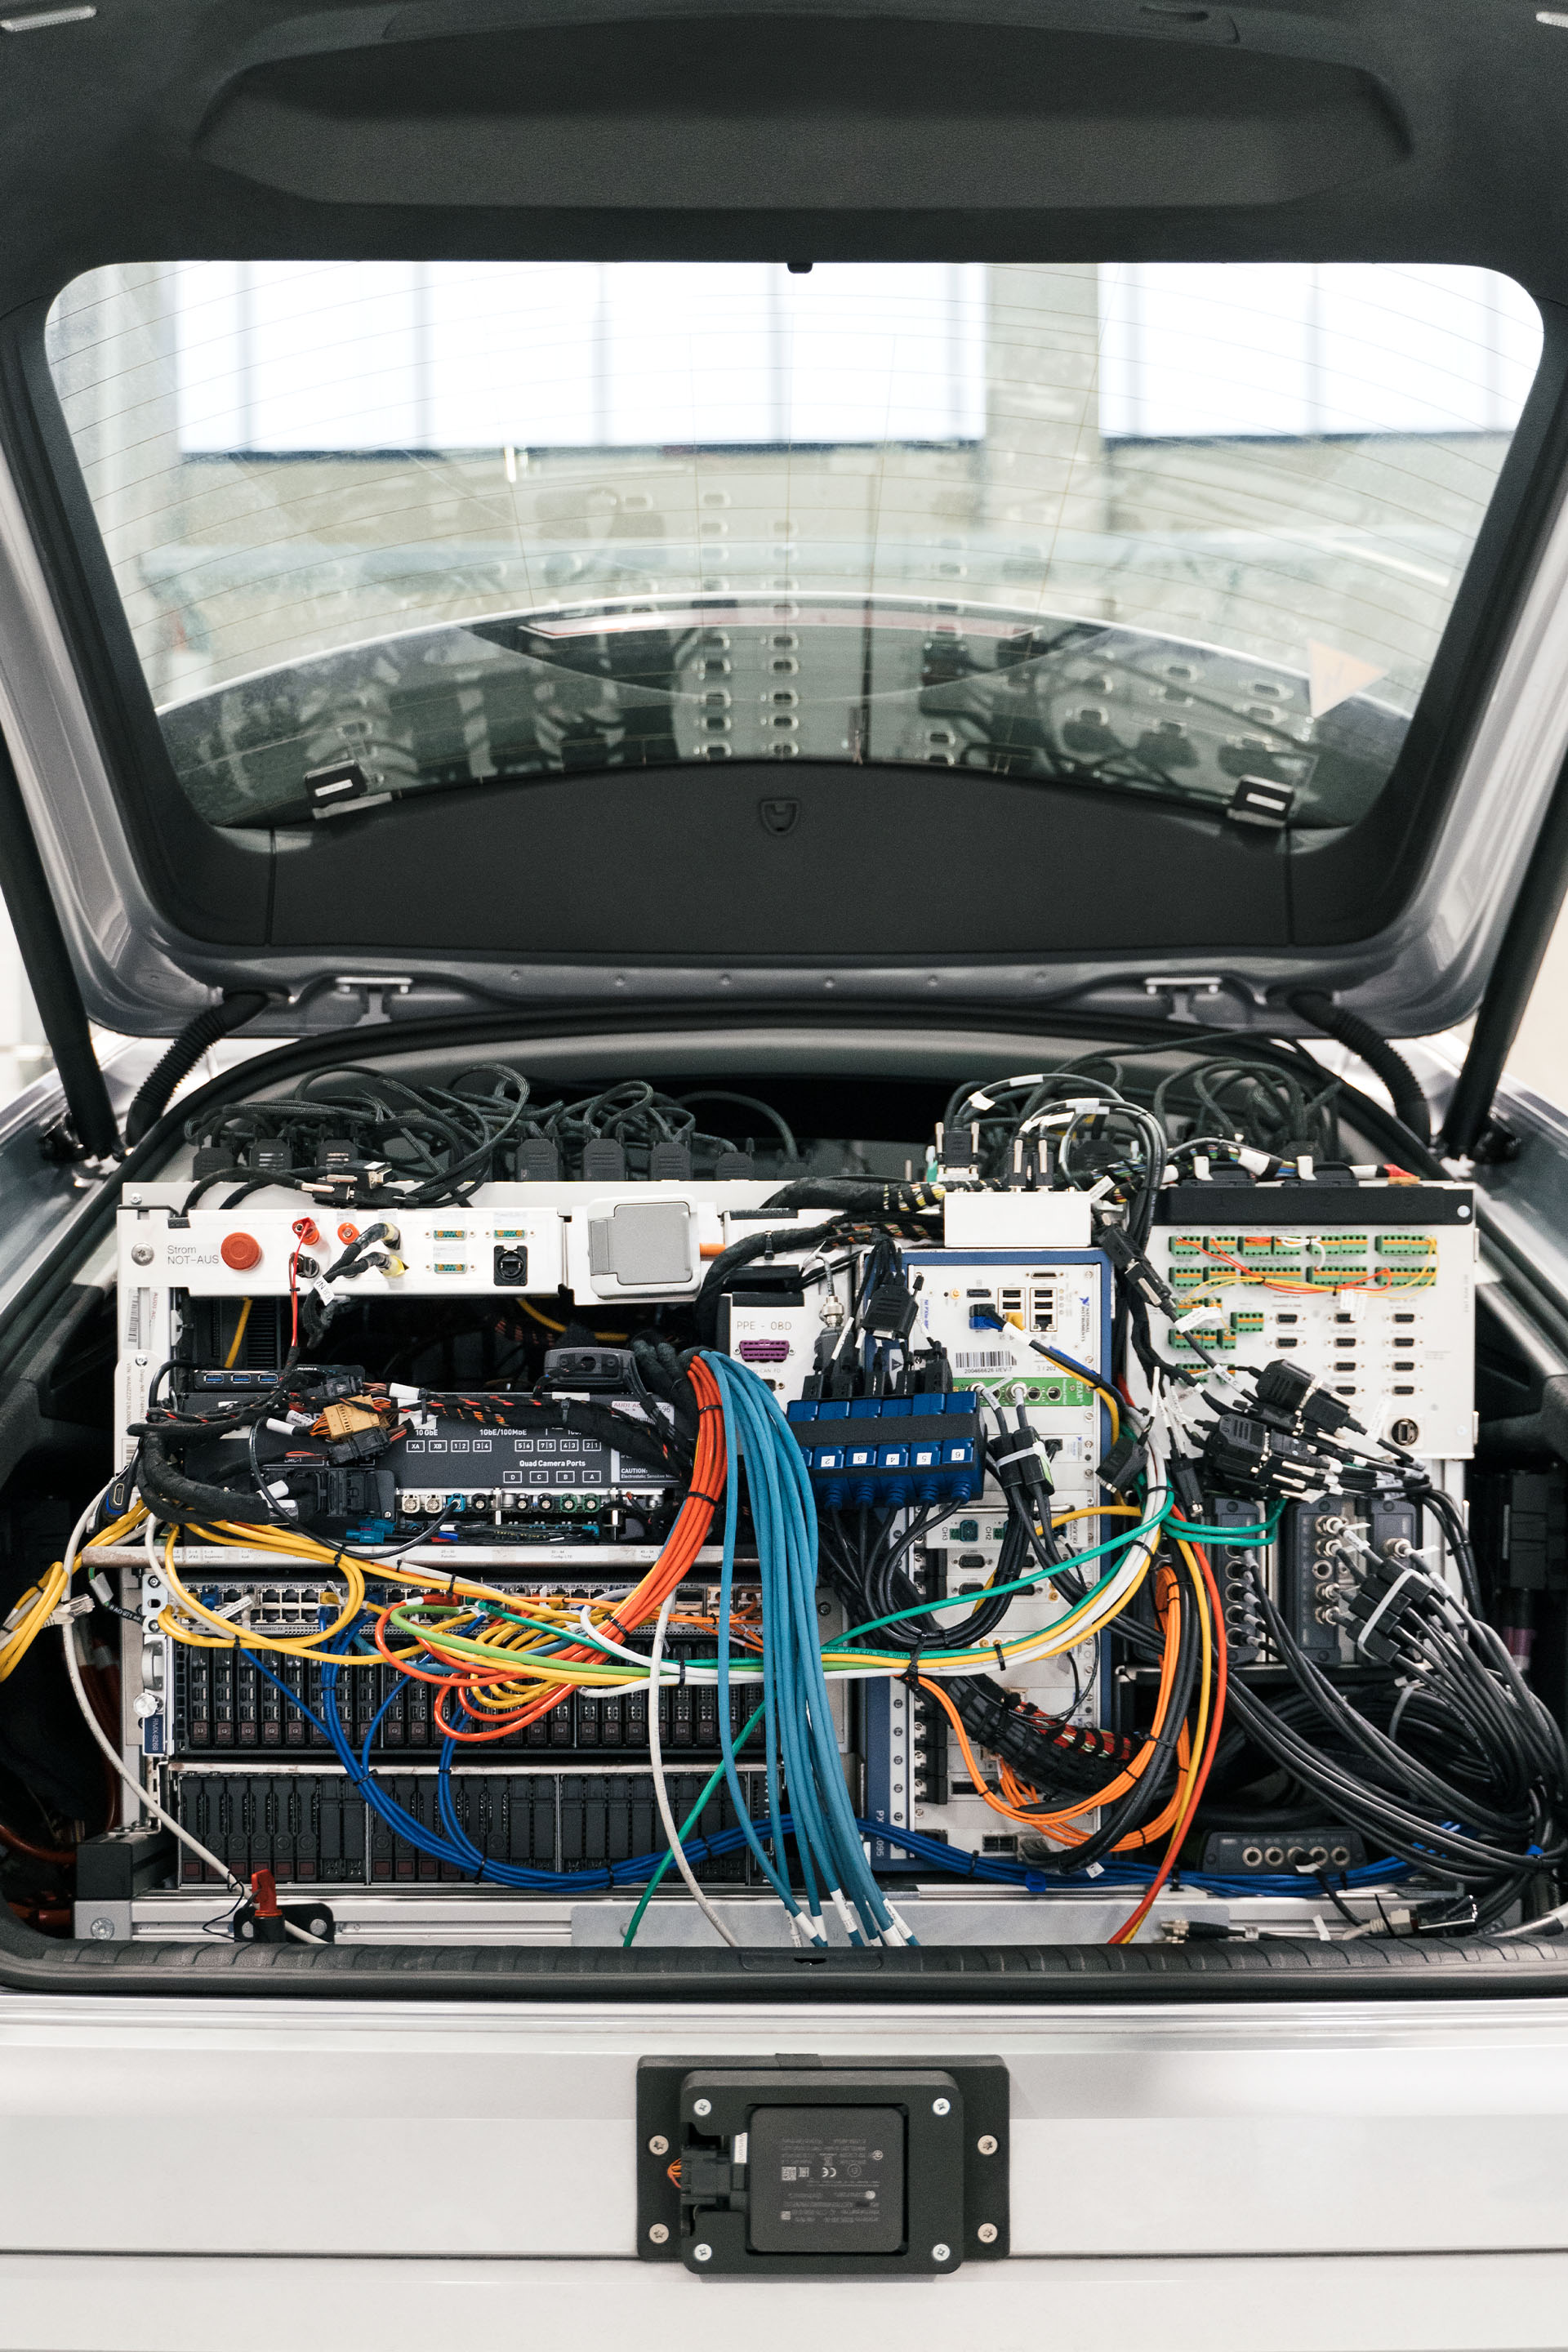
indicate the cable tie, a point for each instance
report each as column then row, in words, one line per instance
column 1001, row 1657
column 1405, row 1576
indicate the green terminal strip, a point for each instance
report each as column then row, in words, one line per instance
column 1025, row 1388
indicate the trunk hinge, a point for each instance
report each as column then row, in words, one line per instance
column 1180, row 991
column 372, row 991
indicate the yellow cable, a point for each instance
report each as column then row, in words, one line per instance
column 285, row 1645
column 509, row 1645
column 548, row 1321
column 607, row 1672
column 25, row 1632
column 51, row 1590
column 1113, row 1402
column 232, row 1358
column 604, row 1338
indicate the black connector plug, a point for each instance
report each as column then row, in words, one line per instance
column 1292, row 1391
column 1135, row 1270
column 889, row 1313
column 1123, row 1462
column 1242, row 1456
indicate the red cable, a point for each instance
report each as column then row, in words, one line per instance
column 16, row 1844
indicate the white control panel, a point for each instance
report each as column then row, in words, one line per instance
column 1379, row 1304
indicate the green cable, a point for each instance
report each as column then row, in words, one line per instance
column 1021, row 1584
column 400, row 1616
column 1240, row 1538
column 695, row 1814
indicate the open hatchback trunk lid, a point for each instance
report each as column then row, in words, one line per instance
column 1042, row 507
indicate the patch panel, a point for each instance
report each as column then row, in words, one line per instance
column 893, row 1451
column 1229, row 1853
column 1238, row 1572
column 1320, row 1546
column 218, row 1703
column 487, row 1482
column 585, row 1240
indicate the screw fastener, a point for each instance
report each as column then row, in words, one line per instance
column 701, row 2253
column 702, row 2106
column 940, row 2253
column 986, row 2233
column 658, row 2145
column 141, row 1254
column 659, row 2233
column 942, row 2106
column 986, row 2144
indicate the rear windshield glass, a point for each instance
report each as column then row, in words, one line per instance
column 1139, row 529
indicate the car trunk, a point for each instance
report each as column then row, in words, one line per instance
column 980, row 1942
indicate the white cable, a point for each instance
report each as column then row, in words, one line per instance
column 1532, row 1927
column 142, row 1796
column 656, row 1758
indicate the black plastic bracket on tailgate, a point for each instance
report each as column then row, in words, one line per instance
column 789, row 2168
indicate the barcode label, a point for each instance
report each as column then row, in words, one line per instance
column 987, row 1359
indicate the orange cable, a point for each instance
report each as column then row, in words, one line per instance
column 1197, row 1558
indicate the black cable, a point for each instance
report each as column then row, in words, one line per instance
column 748, row 1102
column 1410, row 1104
column 435, row 1144
column 170, row 1496
column 1422, row 1841
column 195, row 1038
column 1451, row 1519
column 763, row 1243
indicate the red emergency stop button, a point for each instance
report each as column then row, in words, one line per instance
column 240, row 1251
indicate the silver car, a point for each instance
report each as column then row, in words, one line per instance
column 783, row 1518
